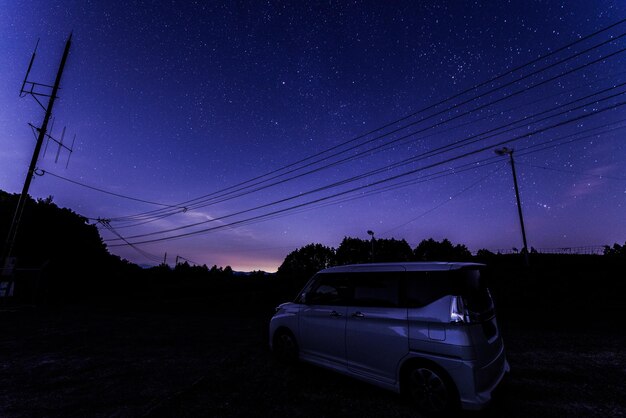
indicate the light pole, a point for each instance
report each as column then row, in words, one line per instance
column 371, row 233
column 509, row 152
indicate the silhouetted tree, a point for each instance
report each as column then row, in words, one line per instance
column 57, row 237
column 163, row 267
column 484, row 253
column 65, row 253
column 390, row 250
column 615, row 251
column 220, row 272
column 182, row 268
column 305, row 261
column 485, row 256
column 431, row 250
column 187, row 271
column 354, row 251
column 257, row 274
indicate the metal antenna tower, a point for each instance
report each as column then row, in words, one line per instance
column 35, row 90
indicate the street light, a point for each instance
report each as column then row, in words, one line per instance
column 509, row 151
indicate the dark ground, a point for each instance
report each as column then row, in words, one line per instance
column 208, row 356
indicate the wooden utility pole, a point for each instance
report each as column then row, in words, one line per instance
column 10, row 242
column 509, row 152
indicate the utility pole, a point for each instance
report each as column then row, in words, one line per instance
column 509, row 151
column 10, row 243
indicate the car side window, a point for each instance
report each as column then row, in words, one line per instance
column 423, row 288
column 376, row 290
column 330, row 289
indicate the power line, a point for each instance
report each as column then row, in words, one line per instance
column 371, row 150
column 151, row 257
column 436, row 151
column 181, row 209
column 448, row 172
column 186, row 259
column 473, row 152
column 434, row 176
column 460, row 169
column 486, row 162
column 223, row 198
column 603, row 58
column 379, row 148
column 405, row 183
column 183, row 227
column 445, row 202
column 428, row 154
column 196, row 206
column 542, row 57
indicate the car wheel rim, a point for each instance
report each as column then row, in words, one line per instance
column 428, row 390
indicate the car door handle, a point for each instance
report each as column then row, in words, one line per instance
column 335, row 314
column 358, row 314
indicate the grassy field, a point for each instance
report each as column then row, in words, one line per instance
column 203, row 356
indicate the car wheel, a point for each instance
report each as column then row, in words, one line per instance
column 431, row 391
column 285, row 347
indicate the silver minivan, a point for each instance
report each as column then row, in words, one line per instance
column 427, row 330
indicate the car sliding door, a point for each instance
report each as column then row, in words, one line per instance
column 376, row 326
column 323, row 319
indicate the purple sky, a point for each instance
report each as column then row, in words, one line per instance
column 173, row 102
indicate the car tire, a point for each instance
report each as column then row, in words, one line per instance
column 285, row 347
column 431, row 391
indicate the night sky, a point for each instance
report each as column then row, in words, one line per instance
column 175, row 101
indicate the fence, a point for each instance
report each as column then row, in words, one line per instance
column 589, row 249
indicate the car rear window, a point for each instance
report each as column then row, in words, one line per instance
column 423, row 288
column 473, row 287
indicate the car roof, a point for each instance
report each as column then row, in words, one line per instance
column 402, row 266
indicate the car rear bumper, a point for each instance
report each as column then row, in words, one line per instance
column 486, row 380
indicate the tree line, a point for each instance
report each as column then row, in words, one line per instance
column 64, row 244
column 314, row 257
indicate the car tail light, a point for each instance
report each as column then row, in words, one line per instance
column 458, row 311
